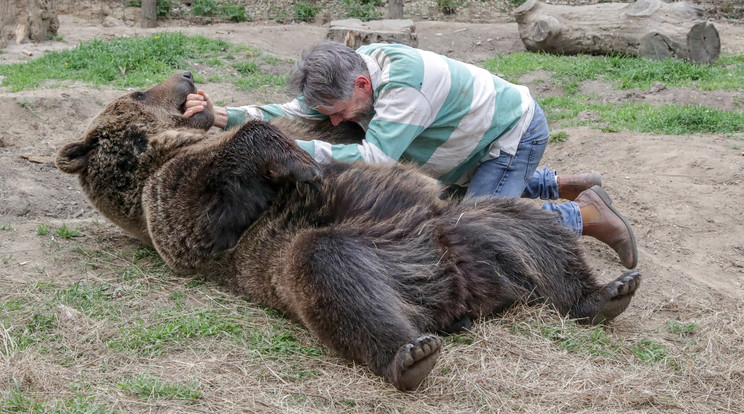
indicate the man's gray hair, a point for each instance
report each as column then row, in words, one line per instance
column 326, row 74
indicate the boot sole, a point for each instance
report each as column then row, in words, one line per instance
column 608, row 201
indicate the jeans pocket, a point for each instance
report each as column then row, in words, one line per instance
column 537, row 149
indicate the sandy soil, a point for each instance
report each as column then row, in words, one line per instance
column 682, row 194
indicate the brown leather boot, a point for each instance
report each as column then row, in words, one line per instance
column 605, row 224
column 570, row 186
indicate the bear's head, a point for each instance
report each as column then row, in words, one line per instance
column 170, row 182
column 119, row 152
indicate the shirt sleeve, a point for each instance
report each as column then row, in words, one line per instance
column 295, row 109
column 400, row 116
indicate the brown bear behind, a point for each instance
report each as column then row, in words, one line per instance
column 367, row 257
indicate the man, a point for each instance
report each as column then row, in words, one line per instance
column 459, row 123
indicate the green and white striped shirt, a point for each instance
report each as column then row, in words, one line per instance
column 444, row 115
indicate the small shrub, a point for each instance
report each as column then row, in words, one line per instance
column 364, row 10
column 164, row 7
column 247, row 68
column 229, row 10
column 42, row 229
column 66, row 232
column 560, row 136
column 204, row 8
column 450, row 6
column 304, row 11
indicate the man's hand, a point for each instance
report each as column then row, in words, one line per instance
column 197, row 102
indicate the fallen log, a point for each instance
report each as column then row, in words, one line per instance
column 646, row 28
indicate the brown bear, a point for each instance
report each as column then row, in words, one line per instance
column 367, row 257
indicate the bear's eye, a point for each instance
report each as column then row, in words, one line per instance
column 138, row 96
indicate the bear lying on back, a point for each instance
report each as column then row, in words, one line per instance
column 367, row 257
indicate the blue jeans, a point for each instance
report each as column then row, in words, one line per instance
column 517, row 175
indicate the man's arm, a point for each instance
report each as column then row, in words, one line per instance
column 226, row 117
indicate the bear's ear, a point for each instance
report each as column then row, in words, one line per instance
column 73, row 157
column 283, row 169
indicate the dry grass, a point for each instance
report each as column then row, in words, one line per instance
column 96, row 323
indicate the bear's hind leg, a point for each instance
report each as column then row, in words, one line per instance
column 347, row 295
column 413, row 362
column 609, row 301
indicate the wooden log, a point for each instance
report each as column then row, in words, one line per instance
column 646, row 28
column 27, row 20
column 355, row 33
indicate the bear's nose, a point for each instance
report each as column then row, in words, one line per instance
column 188, row 76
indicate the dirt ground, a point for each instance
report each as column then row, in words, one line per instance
column 682, row 194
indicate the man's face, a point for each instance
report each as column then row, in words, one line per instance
column 356, row 108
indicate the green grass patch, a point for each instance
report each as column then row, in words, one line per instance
column 18, row 400
column 681, row 329
column 623, row 72
column 280, row 341
column 591, row 341
column 66, row 232
column 38, row 328
column 92, row 299
column 150, row 336
column 667, row 119
column 648, row 350
column 153, row 388
column 230, row 10
column 560, row 136
column 170, row 328
column 596, row 341
column 133, row 62
column 463, row 339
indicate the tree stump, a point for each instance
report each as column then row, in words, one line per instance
column 27, row 20
column 646, row 28
column 355, row 33
column 149, row 13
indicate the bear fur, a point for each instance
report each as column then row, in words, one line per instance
column 367, row 257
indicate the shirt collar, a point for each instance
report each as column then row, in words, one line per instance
column 375, row 73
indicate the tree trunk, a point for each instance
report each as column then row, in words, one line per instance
column 647, row 28
column 27, row 20
column 395, row 9
column 149, row 13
